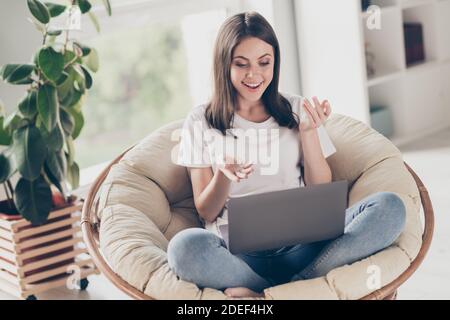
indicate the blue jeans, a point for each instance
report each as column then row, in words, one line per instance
column 199, row 256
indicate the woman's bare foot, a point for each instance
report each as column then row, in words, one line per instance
column 241, row 292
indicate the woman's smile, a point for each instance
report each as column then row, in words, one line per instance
column 253, row 87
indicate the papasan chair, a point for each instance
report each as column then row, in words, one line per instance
column 142, row 199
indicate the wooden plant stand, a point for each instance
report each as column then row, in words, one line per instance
column 34, row 259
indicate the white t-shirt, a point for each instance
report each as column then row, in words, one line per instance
column 274, row 151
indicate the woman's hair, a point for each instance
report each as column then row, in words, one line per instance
column 220, row 109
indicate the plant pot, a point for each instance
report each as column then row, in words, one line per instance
column 34, row 259
column 381, row 120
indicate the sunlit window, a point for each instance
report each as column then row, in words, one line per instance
column 149, row 75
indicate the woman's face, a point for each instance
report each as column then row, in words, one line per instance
column 252, row 68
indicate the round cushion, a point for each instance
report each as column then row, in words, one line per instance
column 146, row 199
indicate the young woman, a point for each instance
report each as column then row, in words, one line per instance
column 227, row 157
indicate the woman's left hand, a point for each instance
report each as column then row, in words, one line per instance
column 317, row 114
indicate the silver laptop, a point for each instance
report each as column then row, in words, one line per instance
column 283, row 218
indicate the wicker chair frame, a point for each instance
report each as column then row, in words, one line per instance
column 90, row 229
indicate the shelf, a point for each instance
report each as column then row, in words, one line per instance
column 387, row 76
column 386, row 45
column 423, row 66
column 418, row 96
column 426, row 16
column 382, row 77
column 387, row 95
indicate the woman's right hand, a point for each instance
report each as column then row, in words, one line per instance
column 234, row 170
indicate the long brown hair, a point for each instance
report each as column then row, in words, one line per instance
column 220, row 109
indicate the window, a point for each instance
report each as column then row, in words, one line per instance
column 152, row 71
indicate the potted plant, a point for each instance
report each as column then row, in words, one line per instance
column 38, row 232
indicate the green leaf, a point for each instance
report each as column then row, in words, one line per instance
column 62, row 79
column 55, row 9
column 5, row 168
column 33, row 199
column 24, row 81
column 54, row 32
column 70, row 151
column 87, row 78
column 40, row 126
column 65, row 87
column 79, row 87
column 84, row 5
column 77, row 106
column 77, row 50
column 64, row 98
column 80, row 80
column 57, row 165
column 5, row 136
column 55, row 168
column 12, row 121
column 69, row 57
column 73, row 175
column 54, row 139
column 29, row 151
column 39, row 26
column 72, row 98
column 78, row 121
column 17, row 73
column 91, row 60
column 39, row 11
column 67, row 122
column 94, row 20
column 51, row 63
column 107, row 6
column 47, row 102
column 54, row 181
column 28, row 106
column 85, row 50
column 67, row 93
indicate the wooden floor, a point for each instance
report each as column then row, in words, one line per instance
column 430, row 159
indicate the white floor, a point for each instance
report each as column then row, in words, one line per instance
column 430, row 159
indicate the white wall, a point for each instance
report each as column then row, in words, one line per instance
column 19, row 40
column 280, row 14
column 285, row 27
column 325, row 64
